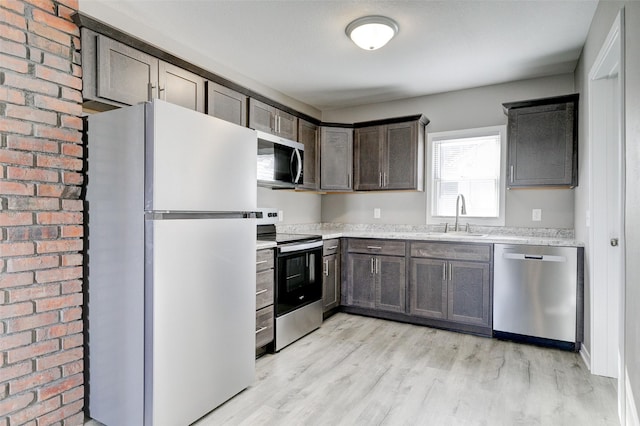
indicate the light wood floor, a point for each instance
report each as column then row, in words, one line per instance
column 363, row 371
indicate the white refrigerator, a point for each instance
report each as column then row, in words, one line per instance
column 171, row 264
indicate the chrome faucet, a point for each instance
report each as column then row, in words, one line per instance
column 464, row 209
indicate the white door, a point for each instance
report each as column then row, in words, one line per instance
column 607, row 210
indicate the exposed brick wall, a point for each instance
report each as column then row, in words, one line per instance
column 41, row 214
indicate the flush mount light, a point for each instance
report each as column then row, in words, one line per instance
column 372, row 32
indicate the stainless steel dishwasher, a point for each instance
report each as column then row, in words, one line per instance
column 538, row 294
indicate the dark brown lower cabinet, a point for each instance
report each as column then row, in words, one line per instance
column 331, row 275
column 376, row 280
column 450, row 289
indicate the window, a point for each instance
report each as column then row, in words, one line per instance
column 468, row 162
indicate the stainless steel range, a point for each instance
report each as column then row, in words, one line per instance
column 298, row 280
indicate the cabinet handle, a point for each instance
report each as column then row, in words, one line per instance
column 150, row 87
column 450, row 272
column 348, row 180
column 377, row 266
column 372, row 270
column 332, row 248
column 261, row 329
column 511, row 173
column 326, row 268
column 444, row 271
column 161, row 89
column 264, row 290
column 261, row 262
column 380, row 180
column 374, row 247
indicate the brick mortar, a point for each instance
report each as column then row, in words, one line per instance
column 41, row 215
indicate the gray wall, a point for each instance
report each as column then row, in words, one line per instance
column 600, row 26
column 479, row 107
column 297, row 207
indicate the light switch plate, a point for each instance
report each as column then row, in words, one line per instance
column 280, row 215
column 376, row 213
column 536, row 215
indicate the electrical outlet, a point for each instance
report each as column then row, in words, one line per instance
column 536, row 215
column 376, row 213
column 280, row 215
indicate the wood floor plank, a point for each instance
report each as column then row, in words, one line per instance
column 364, row 371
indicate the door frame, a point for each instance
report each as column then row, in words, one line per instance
column 607, row 299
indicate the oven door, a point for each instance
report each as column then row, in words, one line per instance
column 299, row 276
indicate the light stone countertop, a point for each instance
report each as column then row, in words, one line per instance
column 529, row 236
column 261, row 244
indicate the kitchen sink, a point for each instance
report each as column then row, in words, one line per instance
column 458, row 234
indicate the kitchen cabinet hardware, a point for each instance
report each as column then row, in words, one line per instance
column 374, row 247
column 261, row 262
column 264, row 290
column 261, row 329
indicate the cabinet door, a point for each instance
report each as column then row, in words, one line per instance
column 226, row 104
column 367, row 159
column 400, row 156
column 360, row 280
column 336, row 158
column 428, row 288
column 390, row 283
column 541, row 146
column 261, row 116
column 286, row 125
column 125, row 74
column 331, row 282
column 469, row 298
column 308, row 136
column 180, row 87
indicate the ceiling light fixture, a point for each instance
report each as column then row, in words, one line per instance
column 372, row 32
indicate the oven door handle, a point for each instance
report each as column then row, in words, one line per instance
column 298, row 247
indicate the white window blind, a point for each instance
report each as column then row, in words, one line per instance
column 469, row 166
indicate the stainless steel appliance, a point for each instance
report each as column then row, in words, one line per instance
column 298, row 284
column 538, row 294
column 279, row 161
column 171, row 264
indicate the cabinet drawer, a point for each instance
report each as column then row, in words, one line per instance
column 475, row 252
column 330, row 247
column 264, row 326
column 387, row 247
column 264, row 260
column 264, row 288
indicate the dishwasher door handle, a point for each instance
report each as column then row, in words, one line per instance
column 537, row 257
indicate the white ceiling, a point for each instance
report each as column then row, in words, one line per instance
column 299, row 47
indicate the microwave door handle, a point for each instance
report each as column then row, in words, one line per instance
column 291, row 160
column 299, row 161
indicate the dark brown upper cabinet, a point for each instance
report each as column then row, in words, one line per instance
column 336, row 158
column 116, row 75
column 543, row 142
column 226, row 104
column 309, row 135
column 272, row 120
column 389, row 156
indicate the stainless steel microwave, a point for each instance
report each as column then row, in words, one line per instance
column 279, row 161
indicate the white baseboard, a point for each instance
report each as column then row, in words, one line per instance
column 586, row 357
column 632, row 417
